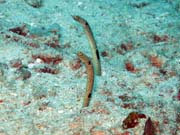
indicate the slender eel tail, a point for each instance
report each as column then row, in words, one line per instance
column 92, row 42
column 90, row 76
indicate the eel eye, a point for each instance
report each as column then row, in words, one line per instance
column 80, row 53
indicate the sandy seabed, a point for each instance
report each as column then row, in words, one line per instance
column 42, row 81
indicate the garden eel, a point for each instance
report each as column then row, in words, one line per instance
column 92, row 42
column 90, row 76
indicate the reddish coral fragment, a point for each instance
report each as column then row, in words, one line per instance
column 16, row 39
column 124, row 47
column 128, row 105
column 104, row 54
column 141, row 116
column 156, row 61
column 48, row 58
column 16, row 63
column 157, row 38
column 149, row 127
column 1, row 101
column 130, row 67
column 48, row 70
column 178, row 96
column 132, row 120
column 21, row 30
column 76, row 65
column 125, row 97
column 127, row 47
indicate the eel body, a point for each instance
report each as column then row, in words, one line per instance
column 92, row 42
column 90, row 77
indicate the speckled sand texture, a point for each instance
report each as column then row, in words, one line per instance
column 42, row 82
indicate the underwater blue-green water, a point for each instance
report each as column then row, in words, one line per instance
column 43, row 81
